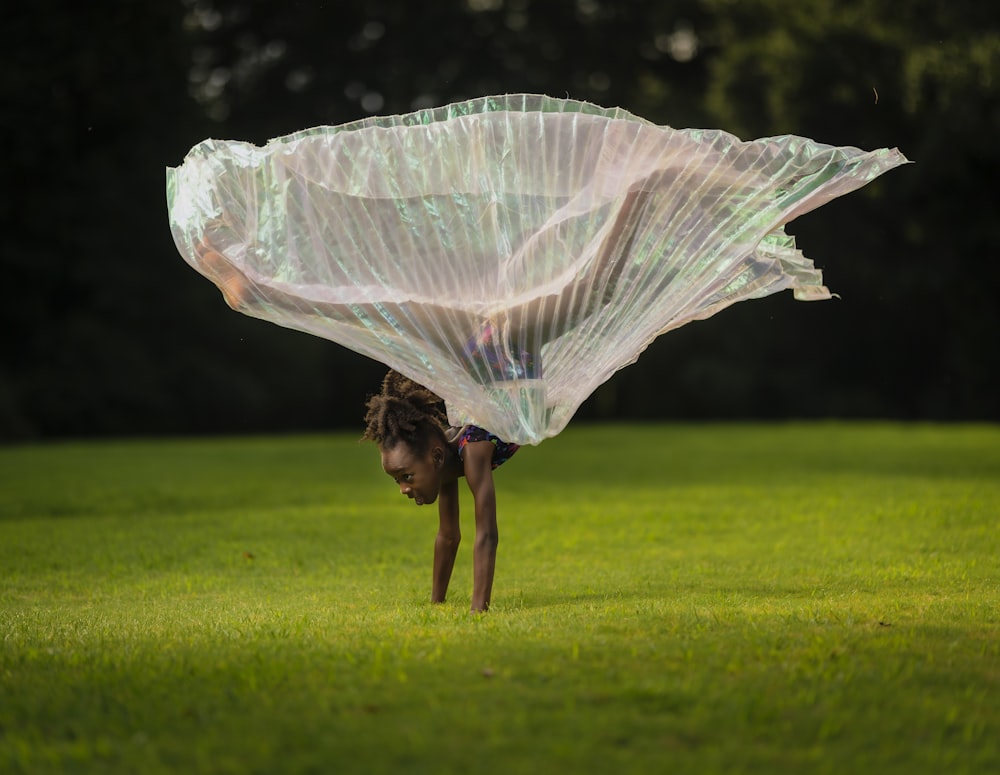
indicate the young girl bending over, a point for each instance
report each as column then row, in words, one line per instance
column 426, row 459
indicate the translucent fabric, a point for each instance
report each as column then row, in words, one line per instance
column 509, row 253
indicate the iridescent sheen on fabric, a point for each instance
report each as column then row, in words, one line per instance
column 511, row 253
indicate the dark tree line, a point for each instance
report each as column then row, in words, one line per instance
column 108, row 332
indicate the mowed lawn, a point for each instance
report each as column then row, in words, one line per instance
column 778, row 598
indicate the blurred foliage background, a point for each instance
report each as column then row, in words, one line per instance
column 107, row 331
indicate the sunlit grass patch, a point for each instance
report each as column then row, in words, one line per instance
column 778, row 598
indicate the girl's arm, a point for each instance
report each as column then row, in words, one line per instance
column 448, row 537
column 479, row 475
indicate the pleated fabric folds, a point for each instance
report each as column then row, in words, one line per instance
column 510, row 253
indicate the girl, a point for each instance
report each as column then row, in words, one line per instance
column 424, row 456
column 465, row 245
column 426, row 459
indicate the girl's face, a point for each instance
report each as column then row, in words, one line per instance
column 418, row 476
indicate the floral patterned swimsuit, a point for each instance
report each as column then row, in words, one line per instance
column 502, row 450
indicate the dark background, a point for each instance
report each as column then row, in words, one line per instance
column 107, row 332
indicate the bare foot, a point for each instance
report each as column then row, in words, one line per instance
column 231, row 281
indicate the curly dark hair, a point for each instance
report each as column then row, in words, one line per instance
column 404, row 412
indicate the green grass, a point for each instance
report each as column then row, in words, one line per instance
column 819, row 598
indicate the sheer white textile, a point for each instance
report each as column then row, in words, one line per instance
column 510, row 253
